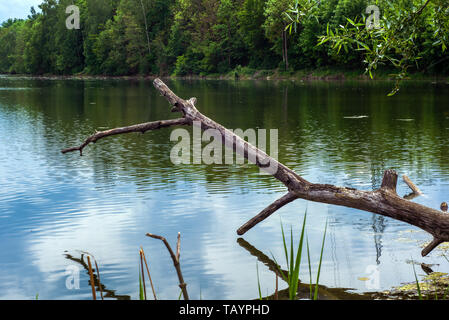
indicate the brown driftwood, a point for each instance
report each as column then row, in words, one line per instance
column 411, row 185
column 384, row 201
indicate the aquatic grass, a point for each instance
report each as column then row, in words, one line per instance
column 258, row 281
column 447, row 289
column 276, row 292
column 418, row 287
column 142, row 276
column 141, row 287
column 431, row 284
column 315, row 296
column 259, row 287
column 310, row 270
column 142, row 283
column 293, row 261
column 314, row 292
column 435, row 284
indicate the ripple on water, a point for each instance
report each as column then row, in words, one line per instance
column 124, row 187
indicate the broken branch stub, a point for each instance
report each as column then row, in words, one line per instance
column 384, row 201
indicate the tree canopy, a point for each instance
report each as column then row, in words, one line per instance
column 181, row 37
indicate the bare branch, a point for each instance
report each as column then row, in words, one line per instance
column 272, row 208
column 432, row 245
column 178, row 247
column 142, row 128
column 92, row 282
column 182, row 284
column 99, row 280
column 411, row 185
column 149, row 275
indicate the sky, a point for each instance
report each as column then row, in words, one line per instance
column 16, row 8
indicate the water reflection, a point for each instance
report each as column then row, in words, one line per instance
column 123, row 187
column 107, row 293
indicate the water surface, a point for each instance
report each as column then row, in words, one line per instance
column 54, row 206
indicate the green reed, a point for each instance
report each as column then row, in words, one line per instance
column 294, row 262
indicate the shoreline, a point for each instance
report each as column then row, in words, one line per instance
column 323, row 74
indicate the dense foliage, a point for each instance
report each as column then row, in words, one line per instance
column 125, row 37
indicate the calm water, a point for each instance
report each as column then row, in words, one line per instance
column 54, row 206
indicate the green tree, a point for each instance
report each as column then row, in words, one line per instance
column 275, row 26
column 408, row 33
column 9, row 33
column 251, row 19
column 68, row 44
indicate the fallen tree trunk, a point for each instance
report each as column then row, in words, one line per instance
column 384, row 201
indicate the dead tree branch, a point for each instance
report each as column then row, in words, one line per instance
column 176, row 262
column 142, row 128
column 411, row 185
column 384, row 201
column 268, row 211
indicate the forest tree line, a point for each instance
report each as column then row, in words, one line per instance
column 203, row 37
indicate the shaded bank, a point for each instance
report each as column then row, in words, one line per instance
column 322, row 74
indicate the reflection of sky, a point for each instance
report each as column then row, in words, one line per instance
column 52, row 204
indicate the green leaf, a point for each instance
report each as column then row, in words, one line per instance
column 351, row 22
column 418, row 287
column 315, row 297
column 141, row 294
column 258, row 281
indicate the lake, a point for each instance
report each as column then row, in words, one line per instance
column 54, row 207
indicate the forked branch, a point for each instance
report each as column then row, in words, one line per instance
column 175, row 258
column 384, row 201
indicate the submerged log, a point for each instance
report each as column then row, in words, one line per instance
column 415, row 190
column 384, row 201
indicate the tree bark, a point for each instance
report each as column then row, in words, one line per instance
column 286, row 49
column 146, row 26
column 384, row 201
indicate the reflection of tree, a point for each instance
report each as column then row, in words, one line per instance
column 108, row 292
column 325, row 293
column 313, row 115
